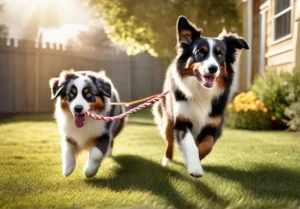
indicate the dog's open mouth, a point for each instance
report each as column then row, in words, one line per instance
column 79, row 120
column 208, row 80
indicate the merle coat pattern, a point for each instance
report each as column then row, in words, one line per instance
column 75, row 94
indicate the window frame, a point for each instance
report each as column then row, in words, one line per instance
column 289, row 9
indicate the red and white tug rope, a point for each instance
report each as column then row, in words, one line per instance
column 133, row 110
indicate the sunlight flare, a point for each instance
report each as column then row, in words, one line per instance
column 53, row 21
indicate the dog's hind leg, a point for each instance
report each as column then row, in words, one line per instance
column 169, row 137
column 96, row 156
column 69, row 149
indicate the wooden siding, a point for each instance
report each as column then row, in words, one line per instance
column 279, row 54
column 256, row 37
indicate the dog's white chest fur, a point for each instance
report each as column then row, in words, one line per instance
column 85, row 136
column 198, row 106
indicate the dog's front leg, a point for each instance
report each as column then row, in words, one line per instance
column 68, row 156
column 96, row 155
column 188, row 147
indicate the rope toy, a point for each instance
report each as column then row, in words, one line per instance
column 133, row 110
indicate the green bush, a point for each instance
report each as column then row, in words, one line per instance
column 272, row 89
column 248, row 120
column 293, row 97
column 294, row 87
column 293, row 113
column 280, row 95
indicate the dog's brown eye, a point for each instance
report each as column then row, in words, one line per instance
column 220, row 56
column 201, row 55
column 85, row 91
column 74, row 90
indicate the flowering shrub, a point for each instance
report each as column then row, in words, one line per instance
column 274, row 95
column 247, row 101
column 272, row 89
column 247, row 112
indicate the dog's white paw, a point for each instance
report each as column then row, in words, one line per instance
column 194, row 168
column 68, row 169
column 92, row 166
column 91, row 169
column 165, row 161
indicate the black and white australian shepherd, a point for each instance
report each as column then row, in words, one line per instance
column 75, row 94
column 199, row 80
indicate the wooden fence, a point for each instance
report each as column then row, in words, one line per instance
column 25, row 70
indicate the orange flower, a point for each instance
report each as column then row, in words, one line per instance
column 247, row 102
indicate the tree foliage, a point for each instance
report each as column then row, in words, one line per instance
column 149, row 25
column 3, row 28
column 95, row 37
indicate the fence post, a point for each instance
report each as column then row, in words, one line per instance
column 36, row 76
column 130, row 77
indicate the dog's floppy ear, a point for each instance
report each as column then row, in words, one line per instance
column 234, row 44
column 57, row 85
column 104, row 87
column 232, row 40
column 55, row 88
column 186, row 31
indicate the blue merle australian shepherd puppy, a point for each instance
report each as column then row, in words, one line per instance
column 199, row 80
column 75, row 94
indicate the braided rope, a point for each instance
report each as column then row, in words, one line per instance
column 133, row 110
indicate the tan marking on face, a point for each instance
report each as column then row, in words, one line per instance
column 218, row 49
column 223, row 70
column 74, row 90
column 220, row 82
column 98, row 105
column 85, row 91
column 205, row 48
column 189, row 71
column 205, row 146
column 64, row 103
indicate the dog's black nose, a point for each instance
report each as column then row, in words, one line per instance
column 78, row 108
column 213, row 69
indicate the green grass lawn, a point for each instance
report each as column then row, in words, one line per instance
column 245, row 170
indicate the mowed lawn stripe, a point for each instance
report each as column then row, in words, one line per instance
column 245, row 170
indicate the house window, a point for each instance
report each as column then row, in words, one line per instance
column 282, row 18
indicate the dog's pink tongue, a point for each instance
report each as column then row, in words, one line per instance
column 79, row 120
column 209, row 80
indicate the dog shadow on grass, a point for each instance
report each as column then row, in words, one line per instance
column 263, row 181
column 141, row 174
column 140, row 123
